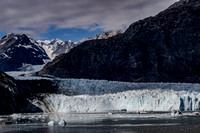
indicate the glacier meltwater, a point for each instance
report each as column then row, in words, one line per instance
column 81, row 96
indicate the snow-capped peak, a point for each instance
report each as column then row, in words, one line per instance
column 56, row 46
column 43, row 42
column 10, row 35
column 56, row 41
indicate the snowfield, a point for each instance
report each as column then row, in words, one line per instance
column 81, row 96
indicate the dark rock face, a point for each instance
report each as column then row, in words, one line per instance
column 162, row 48
column 12, row 100
column 30, row 88
column 16, row 50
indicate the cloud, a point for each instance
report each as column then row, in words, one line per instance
column 39, row 15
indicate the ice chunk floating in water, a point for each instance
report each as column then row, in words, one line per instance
column 51, row 123
column 62, row 122
column 104, row 96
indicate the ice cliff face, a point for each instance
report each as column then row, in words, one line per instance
column 82, row 96
column 138, row 100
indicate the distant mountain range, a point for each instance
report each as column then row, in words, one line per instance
column 56, row 46
column 164, row 48
column 19, row 52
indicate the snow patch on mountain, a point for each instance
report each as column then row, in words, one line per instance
column 3, row 43
column 25, row 46
column 5, row 55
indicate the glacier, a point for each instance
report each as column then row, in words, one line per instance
column 89, row 96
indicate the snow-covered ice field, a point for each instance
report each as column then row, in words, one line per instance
column 84, row 95
column 80, row 96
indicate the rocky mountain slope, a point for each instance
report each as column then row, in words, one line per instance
column 12, row 99
column 19, row 50
column 106, row 35
column 56, row 47
column 160, row 48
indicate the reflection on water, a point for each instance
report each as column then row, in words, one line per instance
column 101, row 123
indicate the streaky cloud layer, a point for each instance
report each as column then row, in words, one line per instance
column 34, row 17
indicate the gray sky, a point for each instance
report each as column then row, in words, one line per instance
column 34, row 17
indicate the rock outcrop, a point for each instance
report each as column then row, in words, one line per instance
column 12, row 99
column 106, row 35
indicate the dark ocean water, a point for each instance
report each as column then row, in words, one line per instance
column 106, row 123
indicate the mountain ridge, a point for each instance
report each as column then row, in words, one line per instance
column 163, row 48
column 105, row 35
